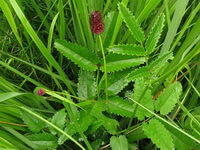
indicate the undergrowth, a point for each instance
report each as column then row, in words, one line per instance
column 85, row 74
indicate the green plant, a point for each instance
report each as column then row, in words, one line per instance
column 129, row 81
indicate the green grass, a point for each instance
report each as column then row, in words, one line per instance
column 106, row 100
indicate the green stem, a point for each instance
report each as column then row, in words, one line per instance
column 105, row 68
column 97, row 82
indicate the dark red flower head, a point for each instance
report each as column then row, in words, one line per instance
column 96, row 22
column 40, row 92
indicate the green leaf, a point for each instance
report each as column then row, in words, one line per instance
column 8, row 14
column 116, row 62
column 116, row 81
column 9, row 95
column 33, row 123
column 86, row 119
column 78, row 54
column 119, row 106
column 137, row 135
column 160, row 61
column 146, row 101
column 52, row 125
column 86, row 85
column 44, row 140
column 129, row 49
column 108, row 19
column 158, row 134
column 109, row 124
column 154, row 36
column 138, row 73
column 180, row 145
column 181, row 141
column 131, row 23
column 27, row 26
column 59, row 120
column 168, row 98
column 119, row 143
column 7, row 144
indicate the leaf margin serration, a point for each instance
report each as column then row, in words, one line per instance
column 81, row 56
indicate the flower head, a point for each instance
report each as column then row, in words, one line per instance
column 96, row 22
column 40, row 92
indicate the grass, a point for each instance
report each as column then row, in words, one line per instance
column 91, row 109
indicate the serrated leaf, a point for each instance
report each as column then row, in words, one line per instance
column 59, row 120
column 78, row 54
column 131, row 23
column 180, row 138
column 134, row 50
column 119, row 106
column 44, row 140
column 159, row 62
column 116, row 81
column 86, row 85
column 119, row 143
column 135, row 136
column 154, row 36
column 94, row 126
column 138, row 73
column 168, row 98
column 109, row 124
column 33, row 123
column 84, row 122
column 158, row 134
column 146, row 101
column 116, row 62
column 179, row 145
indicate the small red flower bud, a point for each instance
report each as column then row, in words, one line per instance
column 40, row 92
column 96, row 22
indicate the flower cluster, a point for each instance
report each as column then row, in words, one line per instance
column 40, row 92
column 96, row 22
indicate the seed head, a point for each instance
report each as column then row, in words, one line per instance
column 40, row 92
column 96, row 22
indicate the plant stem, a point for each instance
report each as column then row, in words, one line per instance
column 97, row 83
column 105, row 68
